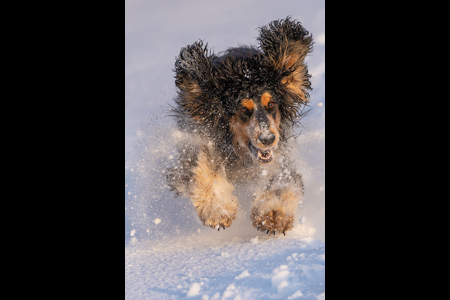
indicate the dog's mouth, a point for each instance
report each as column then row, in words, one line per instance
column 263, row 156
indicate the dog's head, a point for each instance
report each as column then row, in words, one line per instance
column 250, row 94
column 256, row 127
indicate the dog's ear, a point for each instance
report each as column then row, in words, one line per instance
column 193, row 68
column 196, row 81
column 285, row 44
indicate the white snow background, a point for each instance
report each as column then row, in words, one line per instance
column 168, row 253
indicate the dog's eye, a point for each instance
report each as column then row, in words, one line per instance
column 270, row 105
column 244, row 110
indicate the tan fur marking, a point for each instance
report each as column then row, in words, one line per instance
column 296, row 55
column 240, row 138
column 275, row 122
column 265, row 99
column 212, row 195
column 248, row 104
column 294, row 85
column 275, row 212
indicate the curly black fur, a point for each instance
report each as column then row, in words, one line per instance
column 211, row 86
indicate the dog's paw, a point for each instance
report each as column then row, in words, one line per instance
column 218, row 216
column 273, row 222
column 273, row 211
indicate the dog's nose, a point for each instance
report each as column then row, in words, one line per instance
column 267, row 139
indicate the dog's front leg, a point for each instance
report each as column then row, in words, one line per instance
column 273, row 210
column 211, row 194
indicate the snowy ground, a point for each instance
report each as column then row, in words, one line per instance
column 168, row 253
column 259, row 268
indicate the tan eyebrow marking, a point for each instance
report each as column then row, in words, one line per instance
column 265, row 99
column 248, row 104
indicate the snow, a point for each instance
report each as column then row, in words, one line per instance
column 320, row 39
column 168, row 253
column 193, row 290
column 184, row 267
column 296, row 295
column 242, row 275
column 254, row 240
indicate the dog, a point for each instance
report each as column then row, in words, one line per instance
column 239, row 109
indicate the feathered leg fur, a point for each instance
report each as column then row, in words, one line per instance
column 273, row 210
column 211, row 194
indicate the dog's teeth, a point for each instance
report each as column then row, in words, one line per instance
column 264, row 154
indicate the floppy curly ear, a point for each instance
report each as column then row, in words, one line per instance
column 193, row 68
column 285, row 44
column 194, row 77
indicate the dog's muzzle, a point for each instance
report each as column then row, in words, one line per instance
column 262, row 155
column 266, row 139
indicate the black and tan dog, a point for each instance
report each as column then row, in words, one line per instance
column 239, row 109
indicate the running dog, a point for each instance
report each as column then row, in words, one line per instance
column 239, row 109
